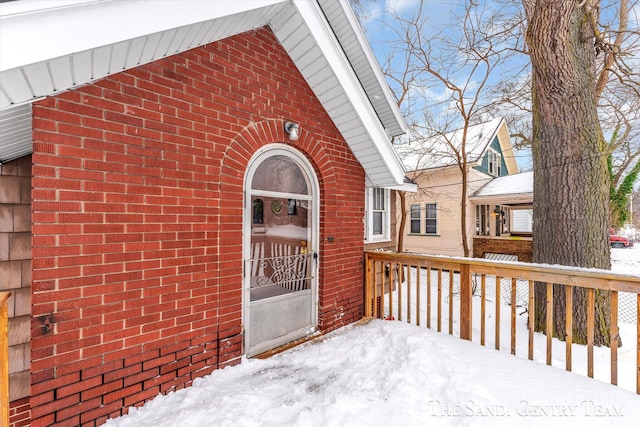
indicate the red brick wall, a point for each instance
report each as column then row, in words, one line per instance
column 19, row 412
column 137, row 223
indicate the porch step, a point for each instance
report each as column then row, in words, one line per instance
column 500, row 257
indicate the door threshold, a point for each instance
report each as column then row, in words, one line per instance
column 314, row 336
column 267, row 354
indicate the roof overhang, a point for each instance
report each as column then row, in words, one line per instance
column 503, row 199
column 50, row 47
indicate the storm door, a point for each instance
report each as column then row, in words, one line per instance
column 280, row 246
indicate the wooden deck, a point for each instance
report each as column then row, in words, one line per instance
column 386, row 270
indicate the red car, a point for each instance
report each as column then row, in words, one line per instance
column 620, row 242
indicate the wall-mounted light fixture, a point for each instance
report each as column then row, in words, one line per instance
column 292, row 129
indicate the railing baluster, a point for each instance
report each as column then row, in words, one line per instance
column 638, row 344
column 531, row 309
column 483, row 308
column 4, row 358
column 439, row 300
column 429, row 297
column 418, row 270
column 513, row 315
column 466, row 303
column 382, row 282
column 374, row 279
column 498, row 280
column 367, row 286
column 451, row 302
column 615, row 339
column 591, row 315
column 549, row 322
column 568, row 326
column 408, row 278
column 395, row 281
column 390, row 292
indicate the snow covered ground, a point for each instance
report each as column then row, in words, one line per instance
column 626, row 260
column 391, row 373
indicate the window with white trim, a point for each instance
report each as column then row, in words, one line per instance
column 431, row 218
column 493, row 162
column 415, row 219
column 377, row 215
column 427, row 216
column 522, row 220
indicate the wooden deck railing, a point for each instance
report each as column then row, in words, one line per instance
column 396, row 284
column 4, row 358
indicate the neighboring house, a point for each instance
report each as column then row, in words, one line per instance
column 181, row 183
column 434, row 213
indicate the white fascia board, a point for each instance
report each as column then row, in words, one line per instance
column 366, row 48
column 503, row 199
column 409, row 188
column 332, row 51
column 33, row 31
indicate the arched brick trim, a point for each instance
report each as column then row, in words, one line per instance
column 233, row 169
column 253, row 137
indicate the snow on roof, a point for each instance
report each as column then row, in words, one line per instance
column 519, row 183
column 440, row 151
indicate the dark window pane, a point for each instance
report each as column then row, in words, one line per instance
column 377, row 223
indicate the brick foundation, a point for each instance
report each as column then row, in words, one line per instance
column 137, row 223
column 520, row 246
column 19, row 413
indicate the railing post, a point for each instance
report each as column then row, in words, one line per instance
column 367, row 285
column 4, row 358
column 466, row 295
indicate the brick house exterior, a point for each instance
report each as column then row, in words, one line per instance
column 137, row 214
column 123, row 246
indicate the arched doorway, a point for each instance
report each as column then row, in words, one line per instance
column 280, row 248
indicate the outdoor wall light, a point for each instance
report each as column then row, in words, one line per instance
column 292, row 129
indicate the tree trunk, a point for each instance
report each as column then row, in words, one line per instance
column 571, row 182
column 463, row 209
column 403, row 220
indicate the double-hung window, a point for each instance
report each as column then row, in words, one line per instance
column 427, row 216
column 493, row 162
column 415, row 219
column 377, row 217
column 431, row 218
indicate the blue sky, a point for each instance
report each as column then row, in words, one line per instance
column 441, row 16
column 379, row 27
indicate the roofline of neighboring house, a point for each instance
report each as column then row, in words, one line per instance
column 503, row 199
column 474, row 160
column 470, row 165
column 60, row 34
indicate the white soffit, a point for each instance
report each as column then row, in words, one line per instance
column 311, row 44
column 68, row 43
column 76, row 26
column 64, row 43
column 15, row 132
column 347, row 30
